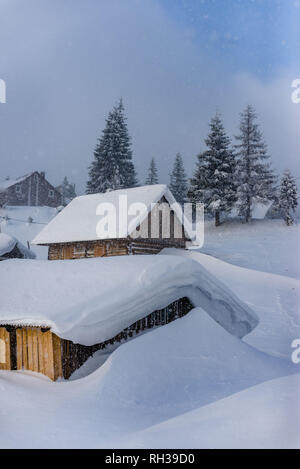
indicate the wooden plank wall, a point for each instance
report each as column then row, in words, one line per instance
column 111, row 248
column 39, row 351
column 75, row 355
column 88, row 249
column 5, row 356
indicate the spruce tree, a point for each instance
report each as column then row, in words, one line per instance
column 213, row 182
column 152, row 177
column 255, row 178
column 67, row 191
column 112, row 167
column 288, row 198
column 178, row 180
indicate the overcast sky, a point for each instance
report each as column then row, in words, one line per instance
column 174, row 62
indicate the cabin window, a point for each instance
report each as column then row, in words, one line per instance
column 2, row 351
column 51, row 193
column 19, row 189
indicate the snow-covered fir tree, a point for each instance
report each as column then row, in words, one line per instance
column 178, row 180
column 213, row 181
column 288, row 197
column 254, row 176
column 67, row 191
column 152, row 177
column 112, row 167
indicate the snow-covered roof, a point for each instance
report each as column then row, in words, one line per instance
column 11, row 182
column 7, row 244
column 78, row 221
column 91, row 300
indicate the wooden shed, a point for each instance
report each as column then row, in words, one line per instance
column 40, row 350
column 11, row 248
column 72, row 234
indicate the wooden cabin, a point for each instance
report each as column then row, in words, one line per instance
column 11, row 248
column 33, row 189
column 72, row 233
column 38, row 349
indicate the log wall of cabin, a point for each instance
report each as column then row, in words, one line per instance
column 108, row 248
column 32, row 349
column 39, row 350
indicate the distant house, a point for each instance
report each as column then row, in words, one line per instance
column 72, row 233
column 11, row 248
column 33, row 189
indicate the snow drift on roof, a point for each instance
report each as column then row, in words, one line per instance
column 91, row 300
column 78, row 221
column 7, row 243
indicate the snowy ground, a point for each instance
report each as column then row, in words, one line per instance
column 188, row 384
column 175, row 369
column 274, row 298
column 264, row 245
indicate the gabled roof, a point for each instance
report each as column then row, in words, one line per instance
column 78, row 221
column 12, row 182
column 8, row 243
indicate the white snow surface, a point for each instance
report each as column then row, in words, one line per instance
column 266, row 416
column 7, row 243
column 91, row 300
column 264, row 245
column 78, row 221
column 190, row 383
column 175, row 369
column 274, row 298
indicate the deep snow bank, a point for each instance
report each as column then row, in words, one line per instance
column 174, row 369
column 275, row 299
column 266, row 416
column 91, row 300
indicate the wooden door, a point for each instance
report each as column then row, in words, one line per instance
column 67, row 252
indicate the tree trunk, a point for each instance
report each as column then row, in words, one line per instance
column 248, row 210
column 217, row 218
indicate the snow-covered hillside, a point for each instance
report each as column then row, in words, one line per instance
column 265, row 245
column 263, row 416
column 274, row 298
column 17, row 224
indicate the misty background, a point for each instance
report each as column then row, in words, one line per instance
column 174, row 63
